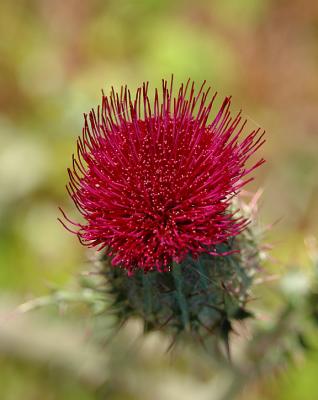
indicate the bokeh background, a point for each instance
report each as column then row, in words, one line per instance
column 56, row 56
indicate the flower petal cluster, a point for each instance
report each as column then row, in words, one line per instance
column 154, row 176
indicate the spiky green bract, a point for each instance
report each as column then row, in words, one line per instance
column 200, row 297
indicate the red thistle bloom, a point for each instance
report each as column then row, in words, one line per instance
column 154, row 183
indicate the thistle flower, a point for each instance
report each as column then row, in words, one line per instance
column 157, row 186
column 154, row 180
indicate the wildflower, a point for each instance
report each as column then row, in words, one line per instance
column 154, row 180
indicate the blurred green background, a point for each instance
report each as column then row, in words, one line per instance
column 56, row 56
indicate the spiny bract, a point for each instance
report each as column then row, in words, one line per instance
column 198, row 298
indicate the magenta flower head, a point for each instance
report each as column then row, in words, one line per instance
column 155, row 176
